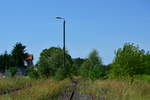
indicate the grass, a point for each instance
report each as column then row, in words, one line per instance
column 52, row 89
column 116, row 90
column 40, row 90
column 145, row 78
column 10, row 84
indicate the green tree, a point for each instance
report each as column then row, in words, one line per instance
column 13, row 71
column 92, row 67
column 19, row 55
column 77, row 62
column 85, row 68
column 33, row 72
column 2, row 63
column 94, row 58
column 51, row 60
column 5, row 61
column 97, row 72
column 147, row 63
column 128, row 61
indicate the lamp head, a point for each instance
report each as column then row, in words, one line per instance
column 59, row 18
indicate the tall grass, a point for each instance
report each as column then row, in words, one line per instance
column 10, row 84
column 41, row 90
column 116, row 90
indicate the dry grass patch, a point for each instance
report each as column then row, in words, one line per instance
column 10, row 84
column 116, row 90
column 41, row 90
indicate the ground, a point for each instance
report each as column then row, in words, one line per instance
column 24, row 88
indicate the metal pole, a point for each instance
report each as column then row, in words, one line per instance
column 64, row 49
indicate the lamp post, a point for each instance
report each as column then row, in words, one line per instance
column 64, row 29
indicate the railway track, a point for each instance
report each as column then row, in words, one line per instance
column 73, row 92
column 13, row 90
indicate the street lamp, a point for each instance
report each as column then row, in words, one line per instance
column 64, row 24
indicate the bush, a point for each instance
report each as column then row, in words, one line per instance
column 13, row 71
column 60, row 74
column 77, row 62
column 85, row 68
column 97, row 73
column 128, row 61
column 92, row 67
column 33, row 73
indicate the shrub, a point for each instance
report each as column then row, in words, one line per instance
column 13, row 71
column 128, row 61
column 97, row 73
column 92, row 67
column 60, row 74
column 33, row 73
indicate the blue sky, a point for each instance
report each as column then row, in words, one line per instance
column 104, row 25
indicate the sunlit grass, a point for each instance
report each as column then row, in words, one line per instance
column 50, row 89
column 41, row 90
column 10, row 84
column 116, row 90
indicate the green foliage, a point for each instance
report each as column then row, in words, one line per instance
column 19, row 55
column 92, row 67
column 15, row 59
column 76, row 65
column 128, row 61
column 45, row 69
column 94, row 58
column 33, row 73
column 145, row 78
column 5, row 61
column 60, row 74
column 97, row 72
column 147, row 63
column 13, row 71
column 85, row 68
column 51, row 60
column 78, row 61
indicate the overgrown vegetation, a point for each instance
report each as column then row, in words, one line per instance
column 92, row 68
column 116, row 89
column 11, row 84
column 129, row 61
column 126, row 78
column 51, row 63
column 39, row 90
column 13, row 60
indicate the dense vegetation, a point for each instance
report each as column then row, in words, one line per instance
column 116, row 89
column 126, row 78
column 13, row 60
column 129, row 61
column 27, row 89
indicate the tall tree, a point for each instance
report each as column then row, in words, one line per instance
column 51, row 62
column 2, row 63
column 128, row 61
column 19, row 54
column 5, row 61
column 92, row 67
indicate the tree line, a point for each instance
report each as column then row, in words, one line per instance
column 129, row 61
column 10, row 61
